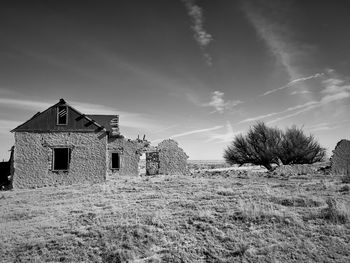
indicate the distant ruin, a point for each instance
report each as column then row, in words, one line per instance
column 340, row 160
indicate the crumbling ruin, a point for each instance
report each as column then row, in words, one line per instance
column 172, row 159
column 340, row 160
column 166, row 158
column 124, row 155
column 64, row 146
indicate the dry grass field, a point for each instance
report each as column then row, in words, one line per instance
column 210, row 216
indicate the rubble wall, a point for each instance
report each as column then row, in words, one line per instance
column 295, row 169
column 172, row 159
column 340, row 160
column 33, row 155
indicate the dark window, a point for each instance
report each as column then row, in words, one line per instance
column 62, row 115
column 61, row 159
column 115, row 161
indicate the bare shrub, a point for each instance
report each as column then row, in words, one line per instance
column 257, row 147
column 297, row 148
column 266, row 146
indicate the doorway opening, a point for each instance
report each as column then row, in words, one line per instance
column 142, row 165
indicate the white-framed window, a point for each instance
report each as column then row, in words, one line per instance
column 62, row 115
column 61, row 159
column 115, row 161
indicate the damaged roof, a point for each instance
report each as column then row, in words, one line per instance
column 46, row 121
column 103, row 120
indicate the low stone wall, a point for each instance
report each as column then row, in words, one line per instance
column 172, row 158
column 33, row 158
column 295, row 169
column 340, row 160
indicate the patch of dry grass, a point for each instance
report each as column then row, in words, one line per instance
column 178, row 219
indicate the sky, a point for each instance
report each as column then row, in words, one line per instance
column 199, row 72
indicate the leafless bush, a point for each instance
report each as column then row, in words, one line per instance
column 266, row 146
column 257, row 147
column 298, row 148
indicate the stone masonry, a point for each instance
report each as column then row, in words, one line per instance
column 172, row 158
column 129, row 152
column 340, row 160
column 33, row 158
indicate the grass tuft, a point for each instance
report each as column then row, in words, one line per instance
column 336, row 212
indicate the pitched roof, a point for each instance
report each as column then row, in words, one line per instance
column 63, row 102
column 103, row 120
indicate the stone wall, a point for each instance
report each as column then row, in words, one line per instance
column 129, row 152
column 172, row 159
column 33, row 158
column 340, row 160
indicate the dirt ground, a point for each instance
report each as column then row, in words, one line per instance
column 210, row 216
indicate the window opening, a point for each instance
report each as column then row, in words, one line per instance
column 61, row 159
column 62, row 115
column 115, row 161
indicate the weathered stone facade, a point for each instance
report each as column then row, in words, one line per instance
column 63, row 146
column 129, row 152
column 172, row 159
column 33, row 158
column 340, row 160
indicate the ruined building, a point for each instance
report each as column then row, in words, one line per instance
column 64, row 146
column 340, row 160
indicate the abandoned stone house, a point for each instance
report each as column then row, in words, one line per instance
column 64, row 146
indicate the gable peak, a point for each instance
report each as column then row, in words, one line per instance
column 62, row 101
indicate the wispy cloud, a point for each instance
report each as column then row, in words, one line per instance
column 307, row 108
column 294, row 82
column 24, row 104
column 223, row 137
column 325, row 126
column 193, row 98
column 335, row 89
column 318, row 125
column 219, row 104
column 300, row 92
column 269, row 20
column 264, row 116
column 190, row 133
column 202, row 37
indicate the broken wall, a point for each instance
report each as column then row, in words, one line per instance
column 172, row 158
column 340, row 160
column 33, row 155
column 129, row 152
